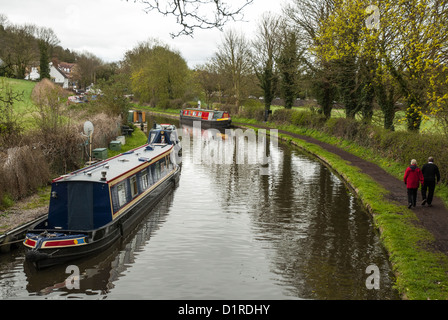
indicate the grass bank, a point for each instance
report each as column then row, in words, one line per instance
column 137, row 139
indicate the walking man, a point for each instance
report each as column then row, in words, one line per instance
column 412, row 178
column 431, row 175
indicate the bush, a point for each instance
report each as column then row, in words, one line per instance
column 23, row 170
column 309, row 119
column 399, row 146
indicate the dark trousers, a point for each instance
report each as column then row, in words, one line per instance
column 429, row 187
column 412, row 196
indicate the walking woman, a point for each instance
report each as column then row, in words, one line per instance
column 412, row 178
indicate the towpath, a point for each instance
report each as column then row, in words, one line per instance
column 434, row 219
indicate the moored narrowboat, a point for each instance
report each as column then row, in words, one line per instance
column 208, row 118
column 93, row 207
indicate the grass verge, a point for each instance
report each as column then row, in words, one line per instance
column 137, row 139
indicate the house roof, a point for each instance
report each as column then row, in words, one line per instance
column 60, row 71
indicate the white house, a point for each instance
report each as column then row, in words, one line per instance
column 58, row 76
column 33, row 75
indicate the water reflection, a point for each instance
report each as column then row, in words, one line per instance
column 319, row 238
column 286, row 229
column 98, row 273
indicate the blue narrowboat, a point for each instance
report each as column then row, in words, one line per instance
column 93, row 207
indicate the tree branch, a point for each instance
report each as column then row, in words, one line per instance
column 197, row 14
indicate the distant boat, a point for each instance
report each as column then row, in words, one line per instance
column 93, row 207
column 208, row 118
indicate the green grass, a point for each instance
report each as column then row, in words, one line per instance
column 137, row 139
column 25, row 107
column 21, row 86
column 42, row 199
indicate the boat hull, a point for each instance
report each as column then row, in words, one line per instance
column 97, row 240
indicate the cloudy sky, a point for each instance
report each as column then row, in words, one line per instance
column 109, row 28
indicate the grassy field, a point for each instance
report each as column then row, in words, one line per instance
column 25, row 107
column 21, row 86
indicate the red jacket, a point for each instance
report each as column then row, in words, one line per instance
column 412, row 177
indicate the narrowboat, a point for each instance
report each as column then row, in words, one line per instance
column 208, row 118
column 93, row 207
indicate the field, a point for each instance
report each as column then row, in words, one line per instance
column 25, row 107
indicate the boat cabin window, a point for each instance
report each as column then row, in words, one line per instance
column 121, row 189
column 218, row 115
column 134, row 187
column 157, row 171
column 144, row 180
column 150, row 178
column 162, row 167
column 152, row 137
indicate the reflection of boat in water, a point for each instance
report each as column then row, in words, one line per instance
column 208, row 118
column 99, row 272
column 91, row 208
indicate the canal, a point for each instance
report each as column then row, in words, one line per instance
column 286, row 228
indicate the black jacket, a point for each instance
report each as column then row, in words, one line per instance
column 431, row 172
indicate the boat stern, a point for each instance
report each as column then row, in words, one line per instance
column 44, row 247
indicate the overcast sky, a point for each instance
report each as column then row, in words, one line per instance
column 109, row 28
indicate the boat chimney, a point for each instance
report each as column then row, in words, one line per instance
column 103, row 175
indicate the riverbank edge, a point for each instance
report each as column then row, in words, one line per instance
column 421, row 273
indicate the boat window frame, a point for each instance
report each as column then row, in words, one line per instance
column 122, row 201
column 144, row 180
column 150, row 177
column 134, row 186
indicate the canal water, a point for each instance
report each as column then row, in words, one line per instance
column 287, row 228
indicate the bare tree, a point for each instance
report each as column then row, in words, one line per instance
column 19, row 48
column 233, row 61
column 47, row 35
column 305, row 17
column 47, row 39
column 265, row 52
column 209, row 80
column 198, row 14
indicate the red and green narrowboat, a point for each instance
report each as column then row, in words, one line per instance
column 208, row 118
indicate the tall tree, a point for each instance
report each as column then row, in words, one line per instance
column 47, row 39
column 86, row 68
column 306, row 18
column 409, row 44
column 18, row 49
column 264, row 54
column 210, row 81
column 158, row 73
column 233, row 61
column 288, row 63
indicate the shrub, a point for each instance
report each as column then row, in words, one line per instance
column 399, row 146
column 24, row 170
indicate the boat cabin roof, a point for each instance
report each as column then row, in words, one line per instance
column 203, row 110
column 119, row 165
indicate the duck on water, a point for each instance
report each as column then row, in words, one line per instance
column 93, row 207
